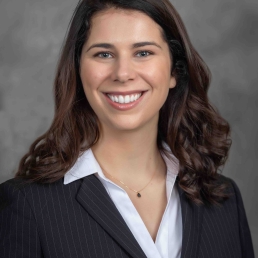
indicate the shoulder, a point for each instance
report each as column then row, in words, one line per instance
column 34, row 193
column 10, row 190
column 19, row 184
column 231, row 210
column 232, row 188
column 221, row 179
column 235, row 200
column 230, row 218
column 16, row 185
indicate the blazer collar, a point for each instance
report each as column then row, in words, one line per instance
column 93, row 196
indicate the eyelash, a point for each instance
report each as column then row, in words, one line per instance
column 143, row 51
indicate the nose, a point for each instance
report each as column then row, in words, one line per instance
column 123, row 70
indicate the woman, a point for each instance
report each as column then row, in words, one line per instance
column 129, row 166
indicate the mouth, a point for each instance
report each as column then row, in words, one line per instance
column 124, row 100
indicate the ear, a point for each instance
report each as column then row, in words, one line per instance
column 172, row 82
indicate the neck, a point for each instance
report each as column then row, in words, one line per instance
column 129, row 156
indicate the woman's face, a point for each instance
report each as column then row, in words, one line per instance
column 125, row 70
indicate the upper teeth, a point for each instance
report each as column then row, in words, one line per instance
column 124, row 99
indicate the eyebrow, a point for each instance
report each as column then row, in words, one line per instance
column 135, row 45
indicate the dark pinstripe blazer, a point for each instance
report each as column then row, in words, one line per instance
column 80, row 220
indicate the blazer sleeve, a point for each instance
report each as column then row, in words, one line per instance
column 245, row 235
column 18, row 230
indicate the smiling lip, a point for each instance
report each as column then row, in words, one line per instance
column 124, row 106
column 124, row 93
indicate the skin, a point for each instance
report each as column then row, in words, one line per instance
column 125, row 69
column 127, row 147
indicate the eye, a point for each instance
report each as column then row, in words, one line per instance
column 104, row 55
column 144, row 53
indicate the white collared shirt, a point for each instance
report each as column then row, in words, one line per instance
column 169, row 237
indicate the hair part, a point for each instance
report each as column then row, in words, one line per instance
column 195, row 132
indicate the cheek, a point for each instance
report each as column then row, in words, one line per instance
column 158, row 72
column 92, row 73
column 91, row 79
column 158, row 79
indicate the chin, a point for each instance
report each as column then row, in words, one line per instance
column 126, row 127
column 131, row 125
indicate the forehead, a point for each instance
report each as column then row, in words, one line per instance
column 119, row 25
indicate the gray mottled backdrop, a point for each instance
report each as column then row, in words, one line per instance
column 223, row 31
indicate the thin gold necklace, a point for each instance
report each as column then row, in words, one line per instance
column 137, row 192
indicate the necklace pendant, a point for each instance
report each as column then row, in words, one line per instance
column 138, row 195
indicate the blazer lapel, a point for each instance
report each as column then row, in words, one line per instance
column 192, row 216
column 94, row 198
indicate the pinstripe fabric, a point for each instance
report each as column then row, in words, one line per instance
column 96, row 201
column 216, row 231
column 80, row 220
column 192, row 221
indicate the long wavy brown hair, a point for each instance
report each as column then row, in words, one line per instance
column 196, row 134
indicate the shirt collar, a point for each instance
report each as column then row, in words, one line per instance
column 87, row 165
